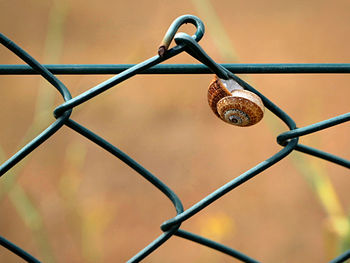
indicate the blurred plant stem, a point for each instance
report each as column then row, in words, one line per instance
column 90, row 217
column 69, row 185
column 337, row 236
column 216, row 29
column 26, row 209
column 337, row 223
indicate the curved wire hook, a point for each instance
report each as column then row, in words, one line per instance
column 178, row 22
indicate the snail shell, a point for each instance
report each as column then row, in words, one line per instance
column 234, row 105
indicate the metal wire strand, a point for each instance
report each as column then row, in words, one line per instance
column 195, row 50
column 284, row 137
column 144, row 173
column 171, row 227
column 174, row 27
column 342, row 258
column 47, row 133
column 103, row 69
column 17, row 250
column 214, row 245
column 126, row 74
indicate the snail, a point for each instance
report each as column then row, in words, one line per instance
column 233, row 104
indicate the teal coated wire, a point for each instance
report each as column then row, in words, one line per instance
column 342, row 258
column 55, row 126
column 217, row 246
column 189, row 44
column 100, row 69
column 17, row 250
column 296, row 133
column 42, row 137
column 174, row 27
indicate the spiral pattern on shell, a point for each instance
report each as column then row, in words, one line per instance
column 240, row 108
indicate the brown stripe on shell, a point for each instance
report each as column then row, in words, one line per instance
column 216, row 92
column 245, row 101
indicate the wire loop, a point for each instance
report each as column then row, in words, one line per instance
column 174, row 27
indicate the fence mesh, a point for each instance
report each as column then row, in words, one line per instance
column 188, row 44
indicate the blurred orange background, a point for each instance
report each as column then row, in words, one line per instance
column 70, row 201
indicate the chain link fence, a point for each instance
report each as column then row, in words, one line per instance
column 189, row 44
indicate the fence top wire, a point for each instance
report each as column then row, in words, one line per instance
column 188, row 44
column 282, row 68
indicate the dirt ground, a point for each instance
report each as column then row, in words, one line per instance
column 70, row 201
